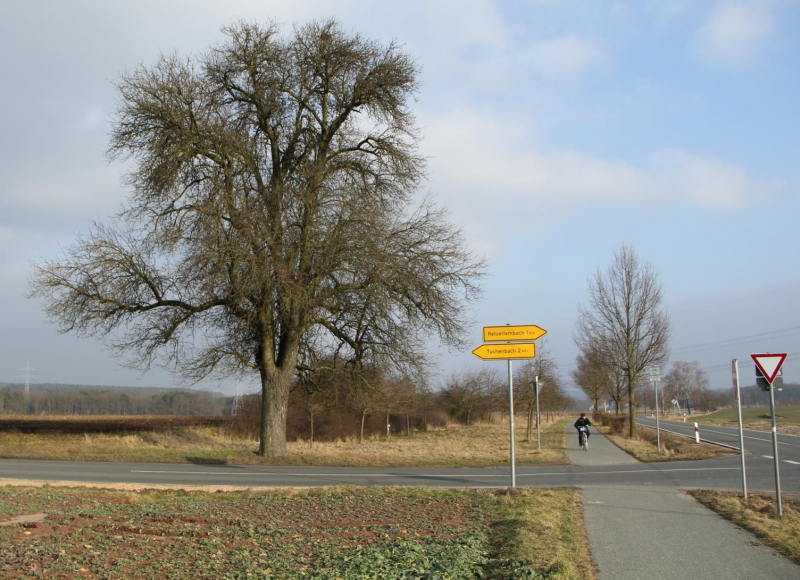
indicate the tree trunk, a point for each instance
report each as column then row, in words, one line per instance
column 274, row 407
column 529, row 430
column 408, row 425
column 311, row 438
column 363, row 417
column 387, row 425
column 631, row 409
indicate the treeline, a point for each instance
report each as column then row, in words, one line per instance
column 701, row 398
column 335, row 401
column 50, row 387
column 112, row 402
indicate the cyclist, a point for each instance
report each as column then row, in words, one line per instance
column 583, row 421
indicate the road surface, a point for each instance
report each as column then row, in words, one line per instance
column 757, row 444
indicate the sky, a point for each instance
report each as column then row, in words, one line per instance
column 555, row 131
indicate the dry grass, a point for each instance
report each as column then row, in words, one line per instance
column 674, row 448
column 545, row 527
column 474, row 446
column 759, row 515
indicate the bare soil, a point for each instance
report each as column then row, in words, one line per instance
column 331, row 533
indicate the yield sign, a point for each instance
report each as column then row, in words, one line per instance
column 769, row 364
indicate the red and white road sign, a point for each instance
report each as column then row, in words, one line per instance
column 769, row 364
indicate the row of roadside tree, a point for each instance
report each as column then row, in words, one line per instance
column 336, row 400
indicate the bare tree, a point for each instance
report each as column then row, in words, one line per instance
column 590, row 377
column 598, row 377
column 684, row 380
column 271, row 213
column 625, row 321
column 325, row 385
column 467, row 393
column 546, row 369
column 364, row 393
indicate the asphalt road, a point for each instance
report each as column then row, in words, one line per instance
column 653, row 530
column 757, row 444
column 721, row 473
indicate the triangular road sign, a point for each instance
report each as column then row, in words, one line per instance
column 769, row 364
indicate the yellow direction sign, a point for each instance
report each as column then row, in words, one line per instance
column 512, row 332
column 506, row 351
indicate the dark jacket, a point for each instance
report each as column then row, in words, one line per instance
column 582, row 422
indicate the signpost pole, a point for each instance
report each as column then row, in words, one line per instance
column 768, row 366
column 511, row 422
column 775, row 449
column 654, row 380
column 538, row 431
column 737, row 394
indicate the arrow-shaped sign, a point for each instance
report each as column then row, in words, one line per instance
column 515, row 350
column 769, row 364
column 513, row 332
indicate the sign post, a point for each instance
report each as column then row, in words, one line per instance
column 511, row 350
column 654, row 377
column 537, row 385
column 511, row 423
column 770, row 365
column 737, row 395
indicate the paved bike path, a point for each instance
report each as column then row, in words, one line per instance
column 656, row 531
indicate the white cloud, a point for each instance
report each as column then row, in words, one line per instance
column 707, row 182
column 735, row 32
column 477, row 158
column 565, row 57
column 478, row 155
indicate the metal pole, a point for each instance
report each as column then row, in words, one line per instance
column 538, row 431
column 737, row 394
column 658, row 424
column 775, row 449
column 511, row 422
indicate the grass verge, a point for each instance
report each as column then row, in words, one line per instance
column 787, row 419
column 318, row 534
column 456, row 446
column 674, row 448
column 759, row 515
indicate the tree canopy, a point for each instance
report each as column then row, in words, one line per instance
column 272, row 216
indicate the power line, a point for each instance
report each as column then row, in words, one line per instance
column 727, row 366
column 734, row 341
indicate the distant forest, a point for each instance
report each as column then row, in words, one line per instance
column 58, row 399
column 755, row 397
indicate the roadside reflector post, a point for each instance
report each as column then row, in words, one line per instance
column 696, row 433
column 770, row 367
column 737, row 396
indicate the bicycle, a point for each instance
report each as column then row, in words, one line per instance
column 584, row 437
